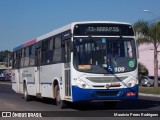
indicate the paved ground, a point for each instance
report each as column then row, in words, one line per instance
column 11, row 101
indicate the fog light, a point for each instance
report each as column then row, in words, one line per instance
column 129, row 85
column 83, row 85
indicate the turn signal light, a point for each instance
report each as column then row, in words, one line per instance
column 115, row 85
column 131, row 93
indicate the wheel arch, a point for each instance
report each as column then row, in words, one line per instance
column 24, row 84
column 54, row 84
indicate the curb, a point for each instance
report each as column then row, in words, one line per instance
column 5, row 83
column 148, row 95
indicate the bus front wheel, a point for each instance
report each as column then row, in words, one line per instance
column 60, row 103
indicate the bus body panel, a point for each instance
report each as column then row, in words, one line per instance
column 98, row 90
column 111, row 94
column 40, row 78
column 28, row 76
column 15, row 80
column 48, row 74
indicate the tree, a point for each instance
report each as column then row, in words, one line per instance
column 4, row 56
column 142, row 70
column 149, row 33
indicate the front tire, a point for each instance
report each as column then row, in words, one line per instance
column 59, row 102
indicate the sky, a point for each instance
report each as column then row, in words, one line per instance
column 24, row 20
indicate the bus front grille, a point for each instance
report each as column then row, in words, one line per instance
column 106, row 79
column 107, row 93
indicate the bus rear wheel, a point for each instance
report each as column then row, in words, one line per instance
column 60, row 103
column 25, row 93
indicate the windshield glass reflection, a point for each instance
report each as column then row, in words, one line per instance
column 104, row 55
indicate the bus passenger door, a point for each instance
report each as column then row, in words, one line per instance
column 67, row 76
column 37, row 71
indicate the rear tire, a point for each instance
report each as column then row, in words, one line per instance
column 25, row 93
column 60, row 103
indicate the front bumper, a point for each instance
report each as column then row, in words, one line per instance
column 79, row 94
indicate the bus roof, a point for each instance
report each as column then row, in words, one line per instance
column 62, row 29
column 69, row 26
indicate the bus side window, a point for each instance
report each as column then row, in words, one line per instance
column 57, row 55
column 43, row 52
column 49, row 50
column 57, row 42
column 21, row 55
column 38, row 53
column 14, row 63
column 26, row 57
column 32, row 55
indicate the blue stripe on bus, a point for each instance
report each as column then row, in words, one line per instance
column 79, row 94
column 45, row 83
column 18, row 47
column 27, row 82
column 14, row 82
column 30, row 82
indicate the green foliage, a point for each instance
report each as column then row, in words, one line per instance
column 4, row 55
column 149, row 33
column 149, row 90
column 142, row 70
column 141, row 27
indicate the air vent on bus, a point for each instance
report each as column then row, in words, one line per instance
column 98, row 86
column 107, row 93
column 106, row 79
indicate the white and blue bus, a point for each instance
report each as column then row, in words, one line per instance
column 94, row 60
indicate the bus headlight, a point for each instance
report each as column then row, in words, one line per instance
column 81, row 83
column 131, row 83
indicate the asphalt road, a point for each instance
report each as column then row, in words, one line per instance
column 11, row 101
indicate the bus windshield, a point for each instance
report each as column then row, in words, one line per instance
column 104, row 54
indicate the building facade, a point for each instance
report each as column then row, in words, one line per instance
column 146, row 57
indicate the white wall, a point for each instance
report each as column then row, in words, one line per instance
column 146, row 57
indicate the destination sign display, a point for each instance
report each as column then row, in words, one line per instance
column 103, row 29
